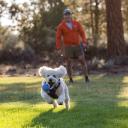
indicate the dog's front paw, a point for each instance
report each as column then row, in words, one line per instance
column 61, row 103
column 67, row 104
column 55, row 105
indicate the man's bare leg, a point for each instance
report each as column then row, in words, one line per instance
column 69, row 69
column 85, row 68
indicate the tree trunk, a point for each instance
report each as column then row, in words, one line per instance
column 115, row 33
column 94, row 16
column 127, row 15
column 96, row 12
column 92, row 20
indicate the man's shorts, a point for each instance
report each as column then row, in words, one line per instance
column 73, row 51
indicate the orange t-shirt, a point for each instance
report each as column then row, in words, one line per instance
column 70, row 36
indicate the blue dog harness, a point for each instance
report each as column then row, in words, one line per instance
column 50, row 91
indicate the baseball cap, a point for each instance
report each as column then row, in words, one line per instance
column 67, row 11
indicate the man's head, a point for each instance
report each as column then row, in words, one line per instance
column 67, row 15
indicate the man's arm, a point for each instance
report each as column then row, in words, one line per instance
column 82, row 33
column 58, row 37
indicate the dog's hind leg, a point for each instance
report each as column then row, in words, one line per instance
column 67, row 98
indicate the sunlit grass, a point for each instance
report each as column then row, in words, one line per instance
column 104, row 104
column 123, row 93
column 125, row 80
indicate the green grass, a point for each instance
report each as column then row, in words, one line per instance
column 103, row 104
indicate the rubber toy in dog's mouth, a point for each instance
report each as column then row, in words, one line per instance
column 46, row 87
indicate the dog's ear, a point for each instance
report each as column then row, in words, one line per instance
column 62, row 71
column 42, row 71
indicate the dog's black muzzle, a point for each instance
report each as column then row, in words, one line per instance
column 51, row 83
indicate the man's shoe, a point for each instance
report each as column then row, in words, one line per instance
column 87, row 80
column 71, row 81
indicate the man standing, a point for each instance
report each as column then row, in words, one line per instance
column 68, row 37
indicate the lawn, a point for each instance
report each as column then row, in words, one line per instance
column 103, row 103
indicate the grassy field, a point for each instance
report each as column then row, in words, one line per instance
column 104, row 104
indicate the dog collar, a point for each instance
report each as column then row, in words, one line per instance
column 58, row 83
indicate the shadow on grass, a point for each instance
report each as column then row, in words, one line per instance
column 26, row 92
column 50, row 119
column 95, row 107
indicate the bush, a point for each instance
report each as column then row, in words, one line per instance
column 17, row 55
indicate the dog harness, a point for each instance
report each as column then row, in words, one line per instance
column 52, row 91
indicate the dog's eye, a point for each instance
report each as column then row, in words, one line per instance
column 48, row 75
column 54, row 76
